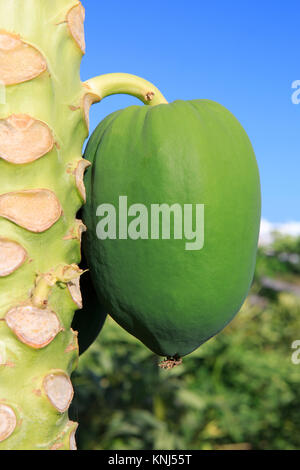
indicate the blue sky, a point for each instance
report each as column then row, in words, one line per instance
column 243, row 54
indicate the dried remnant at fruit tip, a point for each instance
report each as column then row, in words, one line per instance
column 24, row 139
column 19, row 61
column 75, row 20
column 74, row 289
column 8, row 421
column 59, row 390
column 33, row 326
column 12, row 256
column 170, row 362
column 35, row 210
column 79, row 173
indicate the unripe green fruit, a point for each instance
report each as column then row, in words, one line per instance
column 167, row 292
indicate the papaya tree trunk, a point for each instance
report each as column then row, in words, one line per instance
column 43, row 124
column 44, row 120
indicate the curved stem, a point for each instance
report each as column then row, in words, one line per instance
column 124, row 83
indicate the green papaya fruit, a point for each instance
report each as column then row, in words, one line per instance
column 173, row 214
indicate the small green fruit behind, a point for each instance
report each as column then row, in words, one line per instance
column 193, row 152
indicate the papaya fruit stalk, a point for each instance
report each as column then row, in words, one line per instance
column 43, row 124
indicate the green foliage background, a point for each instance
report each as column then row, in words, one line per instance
column 240, row 390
